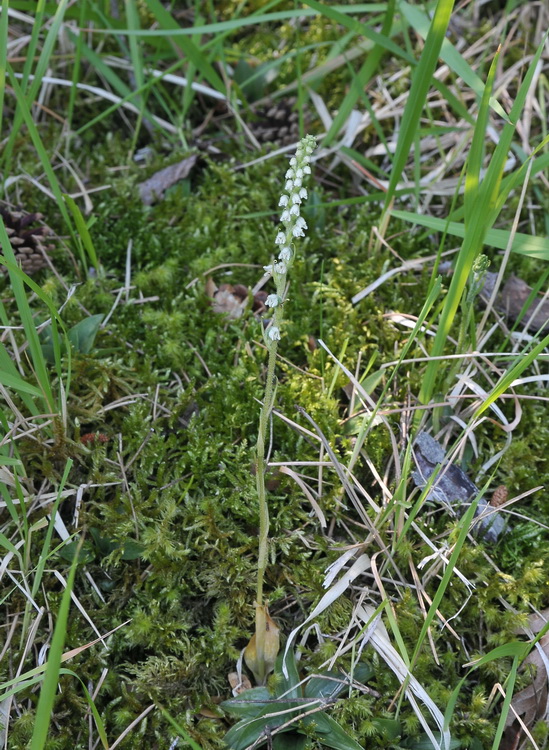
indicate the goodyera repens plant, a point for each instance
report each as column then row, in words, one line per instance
column 260, row 653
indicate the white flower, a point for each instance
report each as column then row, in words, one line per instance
column 289, row 185
column 298, row 182
column 296, row 198
column 280, row 238
column 274, row 333
column 294, row 210
column 285, row 216
column 283, row 200
column 285, row 254
column 303, row 193
column 289, row 174
column 298, row 231
column 301, row 223
column 268, row 269
column 280, row 268
column 273, row 300
column 299, row 172
column 307, row 170
column 293, row 162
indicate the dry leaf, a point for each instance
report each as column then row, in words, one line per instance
column 239, row 684
column 511, row 298
column 230, row 300
column 153, row 189
column 262, row 668
column 209, row 714
column 530, row 704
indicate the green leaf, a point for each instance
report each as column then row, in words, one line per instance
column 420, row 23
column 83, row 334
column 192, row 52
column 18, row 384
column 330, row 733
column 327, row 686
column 246, row 732
column 44, row 710
column 389, row 728
column 104, row 545
column 286, row 685
column 83, row 231
column 248, row 704
column 360, row 81
column 69, row 552
column 289, row 741
column 524, row 244
column 424, row 743
column 132, row 550
column 252, row 81
column 10, row 461
column 180, row 730
column 421, row 82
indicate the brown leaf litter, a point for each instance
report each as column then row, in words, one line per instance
column 511, row 299
column 152, row 190
column 232, row 300
column 530, row 705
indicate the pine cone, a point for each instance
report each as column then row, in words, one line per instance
column 26, row 240
column 499, row 496
column 276, row 122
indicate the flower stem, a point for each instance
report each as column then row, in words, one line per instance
column 260, row 621
column 292, row 227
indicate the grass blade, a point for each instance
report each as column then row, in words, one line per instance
column 360, row 81
column 29, row 96
column 524, row 244
column 51, row 676
column 418, row 94
column 3, row 54
column 482, row 214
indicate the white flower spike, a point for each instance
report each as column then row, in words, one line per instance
column 293, row 226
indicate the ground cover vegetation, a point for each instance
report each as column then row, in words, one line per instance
column 143, row 153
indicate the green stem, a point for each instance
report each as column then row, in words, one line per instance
column 260, row 622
